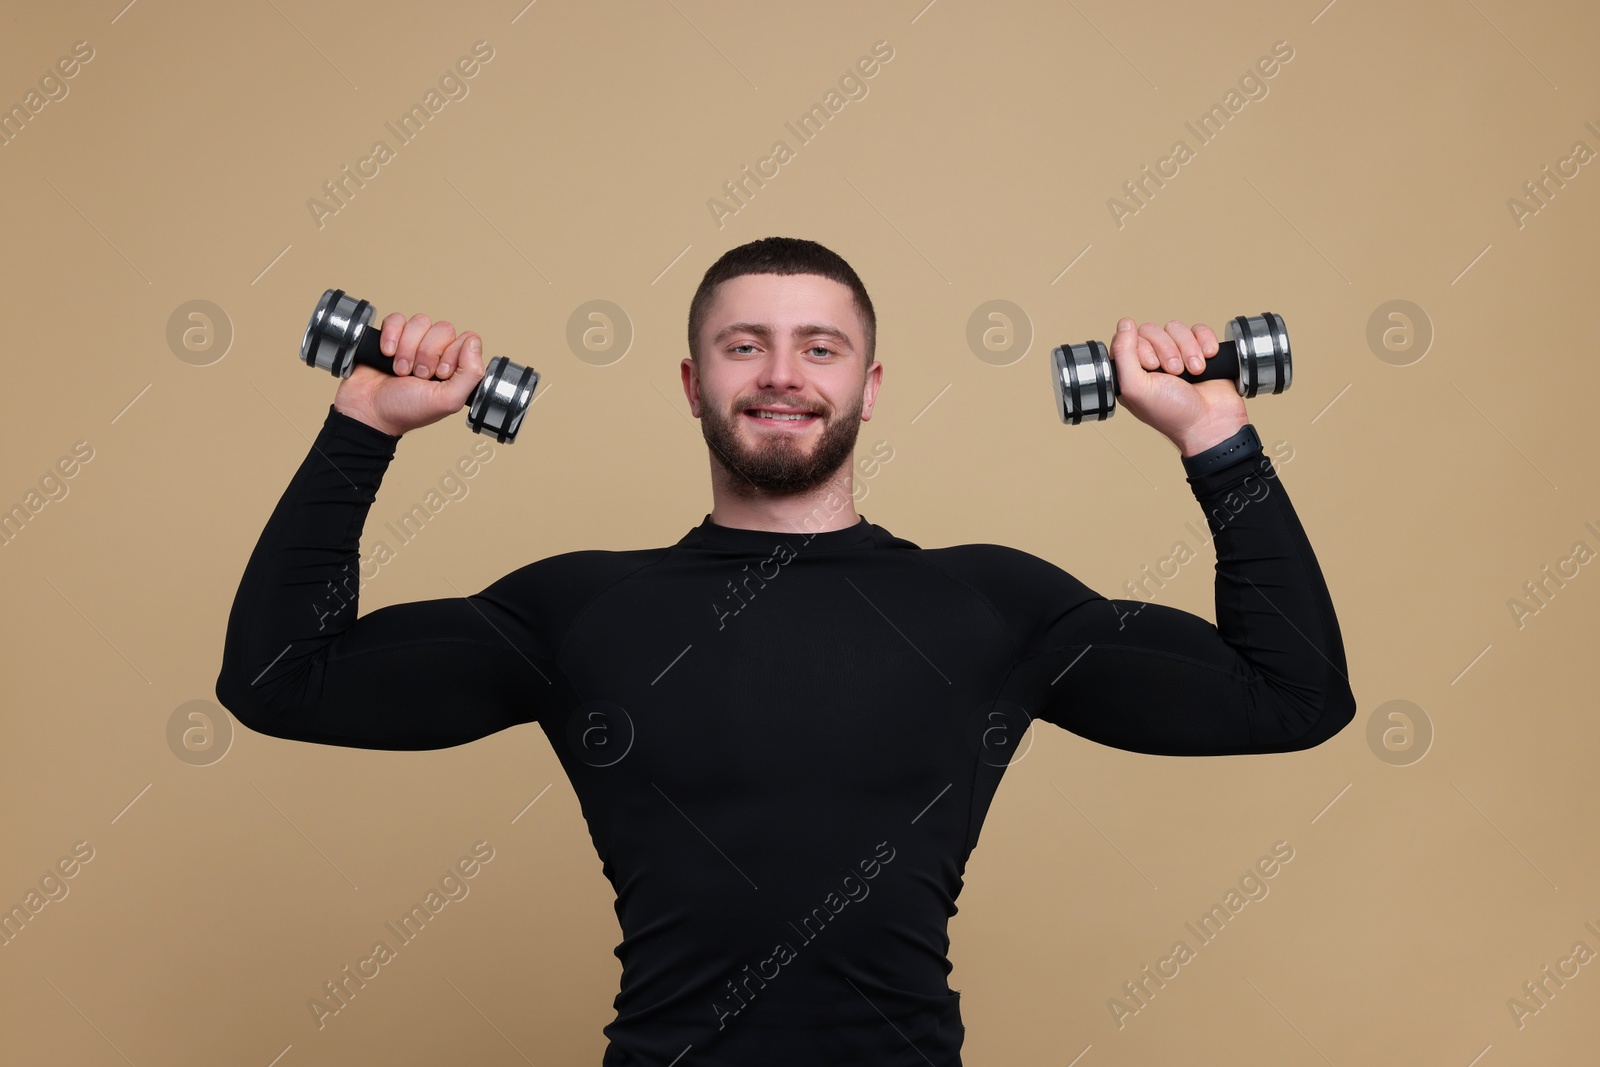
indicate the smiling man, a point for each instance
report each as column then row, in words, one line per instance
column 784, row 799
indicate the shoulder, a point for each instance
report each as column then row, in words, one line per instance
column 579, row 572
column 1027, row 592
column 999, row 561
column 1015, row 581
column 544, row 598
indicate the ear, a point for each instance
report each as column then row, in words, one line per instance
column 690, row 372
column 869, row 389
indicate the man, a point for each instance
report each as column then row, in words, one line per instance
column 785, row 729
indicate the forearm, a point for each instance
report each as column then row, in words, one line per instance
column 1272, row 602
column 299, row 588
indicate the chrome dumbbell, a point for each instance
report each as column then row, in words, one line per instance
column 340, row 335
column 1255, row 357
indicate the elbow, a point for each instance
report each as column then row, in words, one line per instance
column 246, row 705
column 1337, row 710
column 233, row 696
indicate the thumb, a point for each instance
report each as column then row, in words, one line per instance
column 1125, row 356
column 469, row 370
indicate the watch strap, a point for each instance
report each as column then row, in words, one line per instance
column 1221, row 454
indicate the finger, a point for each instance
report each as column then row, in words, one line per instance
column 1126, row 338
column 389, row 335
column 450, row 358
column 406, row 351
column 1207, row 338
column 466, row 355
column 1188, row 347
column 1126, row 349
column 439, row 335
column 1123, row 337
column 470, row 358
column 1165, row 348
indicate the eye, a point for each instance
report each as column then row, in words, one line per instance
column 824, row 349
column 745, row 344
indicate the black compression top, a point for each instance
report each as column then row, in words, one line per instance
column 784, row 745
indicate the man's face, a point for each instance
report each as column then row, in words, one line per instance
column 787, row 343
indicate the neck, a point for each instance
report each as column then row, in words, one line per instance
column 830, row 506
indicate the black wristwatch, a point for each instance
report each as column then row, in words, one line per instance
column 1223, row 453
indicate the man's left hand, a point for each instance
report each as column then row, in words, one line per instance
column 1193, row 415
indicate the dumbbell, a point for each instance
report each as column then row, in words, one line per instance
column 340, row 335
column 1255, row 357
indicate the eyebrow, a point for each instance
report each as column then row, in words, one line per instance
column 763, row 331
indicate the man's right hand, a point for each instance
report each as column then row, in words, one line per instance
column 435, row 371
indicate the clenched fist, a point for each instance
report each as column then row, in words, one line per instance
column 1193, row 415
column 436, row 369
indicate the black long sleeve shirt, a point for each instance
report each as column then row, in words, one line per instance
column 784, row 745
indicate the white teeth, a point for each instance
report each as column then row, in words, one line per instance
column 782, row 415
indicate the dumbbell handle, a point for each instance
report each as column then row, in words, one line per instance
column 1223, row 365
column 368, row 354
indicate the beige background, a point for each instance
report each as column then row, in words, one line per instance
column 978, row 166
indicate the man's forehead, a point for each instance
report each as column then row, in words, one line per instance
column 759, row 308
column 791, row 283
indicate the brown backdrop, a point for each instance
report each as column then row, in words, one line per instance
column 1442, row 456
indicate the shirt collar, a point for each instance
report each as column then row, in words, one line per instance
column 714, row 536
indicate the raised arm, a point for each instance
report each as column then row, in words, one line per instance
column 1270, row 676
column 298, row 663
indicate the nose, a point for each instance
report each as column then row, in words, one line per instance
column 781, row 370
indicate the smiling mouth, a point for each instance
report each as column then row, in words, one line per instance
column 780, row 418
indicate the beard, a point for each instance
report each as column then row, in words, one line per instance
column 779, row 463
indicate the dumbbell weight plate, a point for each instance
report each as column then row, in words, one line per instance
column 1261, row 347
column 1083, row 376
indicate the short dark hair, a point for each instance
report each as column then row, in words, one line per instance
column 780, row 255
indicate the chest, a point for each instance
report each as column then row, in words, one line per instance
column 811, row 676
